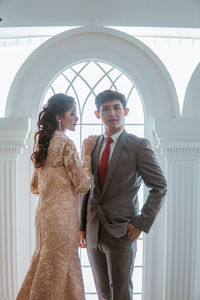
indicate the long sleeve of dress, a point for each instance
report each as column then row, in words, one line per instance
column 79, row 172
column 34, row 183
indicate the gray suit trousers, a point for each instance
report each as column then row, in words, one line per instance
column 112, row 263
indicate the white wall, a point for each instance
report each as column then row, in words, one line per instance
column 173, row 244
column 171, row 13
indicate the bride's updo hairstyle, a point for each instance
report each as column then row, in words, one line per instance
column 58, row 104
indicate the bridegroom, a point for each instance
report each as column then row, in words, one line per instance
column 110, row 220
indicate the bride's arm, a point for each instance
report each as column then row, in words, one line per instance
column 79, row 172
column 34, row 183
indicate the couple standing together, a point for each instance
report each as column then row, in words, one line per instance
column 112, row 169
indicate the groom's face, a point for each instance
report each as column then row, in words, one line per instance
column 112, row 115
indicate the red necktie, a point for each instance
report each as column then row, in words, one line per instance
column 103, row 165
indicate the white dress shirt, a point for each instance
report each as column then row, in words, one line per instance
column 112, row 145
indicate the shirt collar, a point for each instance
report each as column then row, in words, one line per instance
column 115, row 136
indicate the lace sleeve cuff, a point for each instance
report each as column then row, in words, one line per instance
column 79, row 173
column 34, row 183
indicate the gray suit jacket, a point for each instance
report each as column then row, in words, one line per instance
column 117, row 204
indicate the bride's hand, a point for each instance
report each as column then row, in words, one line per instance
column 89, row 144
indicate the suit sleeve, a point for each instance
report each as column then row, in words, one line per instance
column 153, row 178
column 79, row 172
column 82, row 203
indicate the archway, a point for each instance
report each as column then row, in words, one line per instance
column 127, row 53
column 137, row 60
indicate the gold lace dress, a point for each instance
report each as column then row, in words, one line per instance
column 55, row 272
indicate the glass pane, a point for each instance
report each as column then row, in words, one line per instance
column 88, row 111
column 80, row 66
column 82, row 90
column 91, row 297
column 141, row 196
column 60, row 84
column 48, row 95
column 104, row 84
column 75, row 136
column 90, row 130
column 137, row 297
column 141, row 236
column 123, row 84
column 114, row 74
column 71, row 92
column 139, row 255
column 104, row 66
column 70, row 74
column 84, row 258
column 136, row 114
column 88, row 280
column 92, row 72
column 137, row 280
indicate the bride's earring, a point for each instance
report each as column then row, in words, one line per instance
column 59, row 125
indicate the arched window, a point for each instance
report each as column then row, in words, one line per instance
column 84, row 81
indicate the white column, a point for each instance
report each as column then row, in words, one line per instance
column 180, row 143
column 154, row 243
column 12, row 137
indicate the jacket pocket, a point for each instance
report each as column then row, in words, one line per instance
column 124, row 211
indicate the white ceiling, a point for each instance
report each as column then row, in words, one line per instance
column 142, row 13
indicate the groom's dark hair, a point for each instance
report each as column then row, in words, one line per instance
column 109, row 95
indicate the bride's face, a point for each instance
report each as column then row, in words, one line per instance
column 70, row 119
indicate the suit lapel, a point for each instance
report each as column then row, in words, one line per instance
column 114, row 160
column 96, row 154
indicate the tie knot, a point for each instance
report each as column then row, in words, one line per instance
column 109, row 140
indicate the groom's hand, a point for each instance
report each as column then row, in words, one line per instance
column 133, row 232
column 82, row 241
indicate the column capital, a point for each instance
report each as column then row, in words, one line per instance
column 13, row 135
column 178, row 137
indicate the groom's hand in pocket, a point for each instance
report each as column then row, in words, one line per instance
column 82, row 241
column 133, row 232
